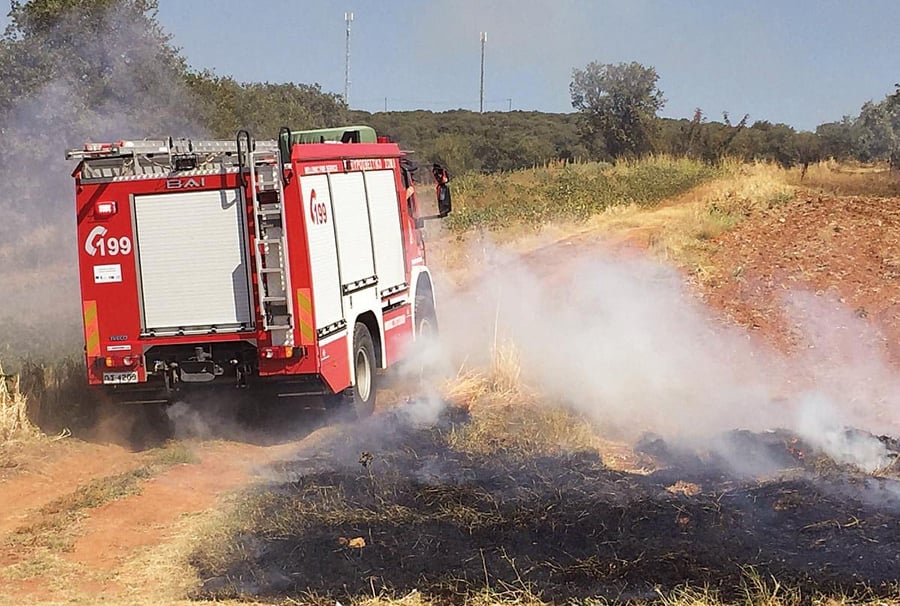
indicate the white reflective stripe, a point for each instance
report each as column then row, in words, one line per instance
column 191, row 252
column 386, row 235
column 178, row 175
column 342, row 333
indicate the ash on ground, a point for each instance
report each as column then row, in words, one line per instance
column 446, row 523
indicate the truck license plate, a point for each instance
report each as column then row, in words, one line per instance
column 115, row 378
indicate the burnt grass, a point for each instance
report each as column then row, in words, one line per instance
column 448, row 524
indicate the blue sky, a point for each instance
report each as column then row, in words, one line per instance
column 802, row 62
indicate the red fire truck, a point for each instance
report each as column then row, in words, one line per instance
column 288, row 268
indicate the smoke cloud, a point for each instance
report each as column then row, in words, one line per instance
column 116, row 81
column 624, row 341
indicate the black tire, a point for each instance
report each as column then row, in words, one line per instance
column 426, row 319
column 361, row 395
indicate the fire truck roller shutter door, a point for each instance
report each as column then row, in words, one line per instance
column 386, row 235
column 326, row 282
column 354, row 236
column 192, row 259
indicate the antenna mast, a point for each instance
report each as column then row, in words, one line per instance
column 348, row 18
column 481, row 97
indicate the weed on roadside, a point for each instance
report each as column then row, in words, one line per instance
column 14, row 422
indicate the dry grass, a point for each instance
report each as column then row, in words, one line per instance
column 685, row 231
column 847, row 179
column 14, row 422
column 507, row 418
column 561, row 191
column 680, row 229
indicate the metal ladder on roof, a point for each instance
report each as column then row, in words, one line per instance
column 270, row 236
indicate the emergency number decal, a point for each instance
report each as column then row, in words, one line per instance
column 318, row 211
column 104, row 274
column 97, row 243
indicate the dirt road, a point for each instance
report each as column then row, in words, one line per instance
column 77, row 519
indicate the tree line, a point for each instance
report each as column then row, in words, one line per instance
column 78, row 69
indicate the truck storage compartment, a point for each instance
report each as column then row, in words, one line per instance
column 192, row 262
column 387, row 239
column 354, row 236
column 323, row 256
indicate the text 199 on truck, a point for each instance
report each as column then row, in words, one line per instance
column 288, row 267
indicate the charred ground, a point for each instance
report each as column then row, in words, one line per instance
column 447, row 523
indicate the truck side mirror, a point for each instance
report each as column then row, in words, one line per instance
column 445, row 204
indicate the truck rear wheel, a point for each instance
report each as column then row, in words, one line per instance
column 361, row 395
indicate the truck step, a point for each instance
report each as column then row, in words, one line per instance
column 278, row 327
column 274, row 300
column 271, row 270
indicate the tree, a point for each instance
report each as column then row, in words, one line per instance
column 879, row 130
column 103, row 59
column 618, row 103
column 837, row 138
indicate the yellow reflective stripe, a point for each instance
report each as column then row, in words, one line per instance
column 91, row 329
column 304, row 317
column 303, row 301
column 90, row 311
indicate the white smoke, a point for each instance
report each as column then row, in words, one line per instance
column 625, row 341
column 139, row 97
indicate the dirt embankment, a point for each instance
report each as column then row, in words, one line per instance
column 846, row 247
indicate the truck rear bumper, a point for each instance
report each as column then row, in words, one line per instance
column 155, row 392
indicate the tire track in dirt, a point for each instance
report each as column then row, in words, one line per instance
column 70, row 466
column 111, row 536
column 114, row 530
column 117, row 532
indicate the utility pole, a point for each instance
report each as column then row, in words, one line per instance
column 481, row 97
column 509, row 104
column 348, row 18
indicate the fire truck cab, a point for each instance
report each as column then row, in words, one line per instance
column 289, row 267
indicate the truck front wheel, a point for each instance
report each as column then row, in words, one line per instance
column 426, row 320
column 361, row 395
